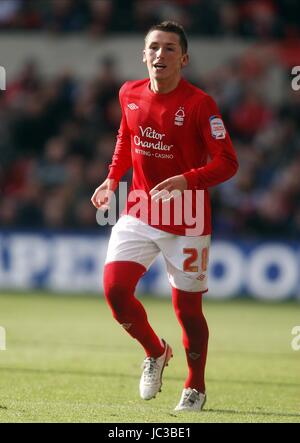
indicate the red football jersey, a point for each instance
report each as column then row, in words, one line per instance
column 163, row 135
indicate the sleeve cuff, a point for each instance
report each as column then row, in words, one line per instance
column 192, row 179
column 112, row 175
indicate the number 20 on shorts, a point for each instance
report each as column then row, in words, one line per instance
column 190, row 264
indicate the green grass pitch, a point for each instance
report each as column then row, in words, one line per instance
column 67, row 360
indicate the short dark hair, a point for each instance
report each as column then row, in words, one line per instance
column 176, row 28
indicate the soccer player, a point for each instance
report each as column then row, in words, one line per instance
column 174, row 139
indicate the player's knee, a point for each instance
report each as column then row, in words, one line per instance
column 188, row 306
column 189, row 318
column 187, row 311
column 192, row 320
column 116, row 293
column 113, row 280
column 119, row 287
column 122, row 276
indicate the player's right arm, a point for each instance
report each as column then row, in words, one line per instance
column 121, row 162
column 102, row 195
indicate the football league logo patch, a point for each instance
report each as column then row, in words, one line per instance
column 132, row 106
column 217, row 127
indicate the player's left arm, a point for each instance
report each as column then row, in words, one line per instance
column 223, row 164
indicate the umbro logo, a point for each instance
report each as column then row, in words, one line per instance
column 126, row 326
column 133, row 106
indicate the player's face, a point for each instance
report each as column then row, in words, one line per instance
column 163, row 55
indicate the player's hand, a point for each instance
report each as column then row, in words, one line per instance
column 102, row 196
column 169, row 188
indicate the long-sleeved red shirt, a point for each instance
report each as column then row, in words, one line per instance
column 163, row 135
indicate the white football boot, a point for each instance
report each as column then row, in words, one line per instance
column 191, row 400
column 151, row 379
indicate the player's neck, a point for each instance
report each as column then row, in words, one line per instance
column 163, row 86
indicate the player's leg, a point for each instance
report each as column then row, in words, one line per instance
column 188, row 309
column 129, row 255
column 120, row 279
column 130, row 252
column 186, row 259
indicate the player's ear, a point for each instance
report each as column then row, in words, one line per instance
column 144, row 56
column 184, row 60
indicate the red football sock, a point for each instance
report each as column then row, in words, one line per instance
column 120, row 280
column 188, row 308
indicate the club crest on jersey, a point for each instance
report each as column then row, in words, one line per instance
column 218, row 130
column 179, row 117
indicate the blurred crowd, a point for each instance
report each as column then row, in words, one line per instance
column 57, row 136
column 263, row 199
column 56, row 141
column 248, row 18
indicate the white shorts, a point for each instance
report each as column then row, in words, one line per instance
column 186, row 257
